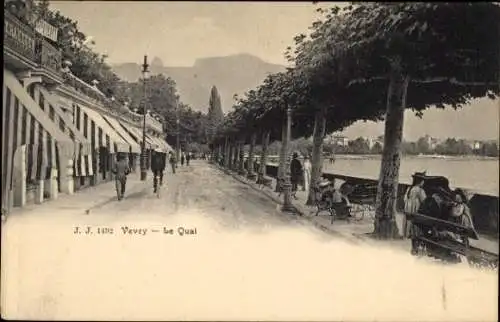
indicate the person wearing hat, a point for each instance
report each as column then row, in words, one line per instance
column 296, row 173
column 413, row 199
column 173, row 161
column 121, row 169
column 460, row 211
column 307, row 173
column 158, row 163
column 182, row 159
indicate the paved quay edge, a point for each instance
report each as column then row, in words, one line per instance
column 299, row 210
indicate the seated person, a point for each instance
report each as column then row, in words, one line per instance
column 338, row 197
column 459, row 210
column 432, row 206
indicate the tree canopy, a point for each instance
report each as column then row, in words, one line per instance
column 449, row 52
column 215, row 114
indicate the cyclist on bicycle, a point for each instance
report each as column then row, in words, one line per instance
column 158, row 163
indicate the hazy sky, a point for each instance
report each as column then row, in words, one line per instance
column 181, row 32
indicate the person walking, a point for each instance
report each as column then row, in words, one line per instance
column 158, row 164
column 121, row 169
column 173, row 161
column 295, row 173
column 413, row 199
column 307, row 173
column 182, row 159
column 188, row 157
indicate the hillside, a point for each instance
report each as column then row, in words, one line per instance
column 231, row 74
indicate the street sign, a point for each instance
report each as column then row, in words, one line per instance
column 47, row 30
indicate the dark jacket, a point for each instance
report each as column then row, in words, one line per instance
column 295, row 170
column 158, row 161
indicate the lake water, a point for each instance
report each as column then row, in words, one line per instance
column 478, row 175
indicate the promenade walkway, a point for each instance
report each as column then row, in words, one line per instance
column 355, row 231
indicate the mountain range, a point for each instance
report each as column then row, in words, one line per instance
column 237, row 74
column 231, row 75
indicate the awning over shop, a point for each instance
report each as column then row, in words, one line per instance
column 65, row 143
column 162, row 144
column 103, row 131
column 134, row 146
column 136, row 133
column 64, row 122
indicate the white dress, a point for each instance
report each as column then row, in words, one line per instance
column 307, row 174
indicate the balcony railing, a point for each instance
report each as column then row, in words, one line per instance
column 114, row 108
column 22, row 40
column 19, row 37
column 48, row 56
column 84, row 88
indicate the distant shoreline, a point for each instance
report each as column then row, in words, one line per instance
column 430, row 156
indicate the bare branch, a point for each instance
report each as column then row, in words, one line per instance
column 366, row 80
column 424, row 81
column 452, row 81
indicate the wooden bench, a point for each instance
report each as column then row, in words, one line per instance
column 363, row 197
column 252, row 176
column 428, row 239
column 264, row 182
column 337, row 211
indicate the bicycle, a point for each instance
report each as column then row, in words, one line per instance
column 158, row 189
column 157, row 184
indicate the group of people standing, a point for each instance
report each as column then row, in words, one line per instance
column 447, row 205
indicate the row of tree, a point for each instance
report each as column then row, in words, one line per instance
column 370, row 61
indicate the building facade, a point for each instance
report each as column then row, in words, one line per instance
column 59, row 133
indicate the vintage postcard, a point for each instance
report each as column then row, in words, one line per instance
column 235, row 161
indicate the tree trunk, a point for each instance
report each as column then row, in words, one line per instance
column 283, row 151
column 387, row 191
column 287, row 185
column 219, row 153
column 230, row 154
column 241, row 166
column 214, row 152
column 253, row 138
column 233, row 150
column 317, row 152
column 236, row 156
column 263, row 155
column 226, row 152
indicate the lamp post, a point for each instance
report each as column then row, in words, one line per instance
column 178, row 144
column 287, row 186
column 143, row 147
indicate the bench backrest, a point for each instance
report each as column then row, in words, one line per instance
column 420, row 219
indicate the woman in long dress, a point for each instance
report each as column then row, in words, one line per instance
column 414, row 197
column 307, row 173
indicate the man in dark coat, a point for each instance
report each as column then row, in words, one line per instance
column 158, row 163
column 295, row 173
